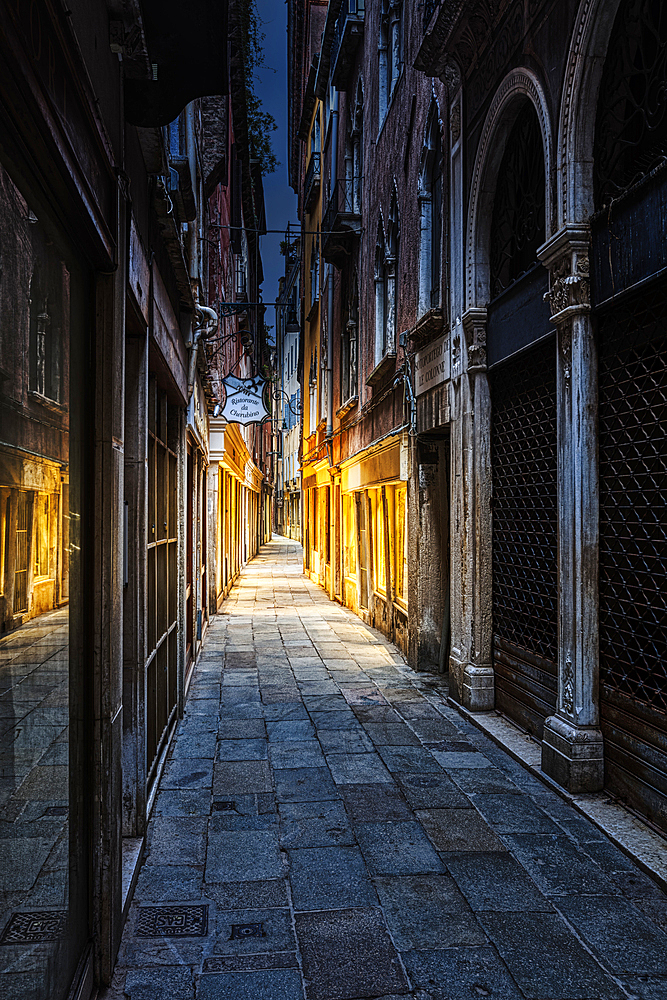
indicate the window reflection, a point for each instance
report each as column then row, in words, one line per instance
column 35, row 855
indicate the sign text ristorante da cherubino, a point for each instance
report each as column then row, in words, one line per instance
column 244, row 400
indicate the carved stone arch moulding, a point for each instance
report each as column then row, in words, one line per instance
column 433, row 115
column 576, row 125
column 518, row 83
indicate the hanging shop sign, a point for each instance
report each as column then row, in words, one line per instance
column 244, row 402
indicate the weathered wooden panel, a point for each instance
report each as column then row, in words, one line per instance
column 526, row 685
column 635, row 753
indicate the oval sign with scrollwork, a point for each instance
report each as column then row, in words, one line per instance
column 244, row 400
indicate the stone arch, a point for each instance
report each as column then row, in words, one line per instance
column 519, row 85
column 576, row 127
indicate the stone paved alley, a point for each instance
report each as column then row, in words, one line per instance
column 328, row 827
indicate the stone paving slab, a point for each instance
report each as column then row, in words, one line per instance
column 351, row 835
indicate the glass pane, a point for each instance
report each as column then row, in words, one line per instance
column 41, row 902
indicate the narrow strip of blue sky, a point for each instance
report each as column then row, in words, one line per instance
column 281, row 203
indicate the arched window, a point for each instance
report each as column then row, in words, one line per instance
column 391, row 265
column 389, row 52
column 312, row 392
column 354, row 154
column 349, row 340
column 386, row 270
column 518, row 220
column 380, row 294
column 631, row 123
column 358, row 148
column 315, row 269
column 430, row 211
column 315, row 135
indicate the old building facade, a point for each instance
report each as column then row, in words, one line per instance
column 494, row 161
column 110, row 564
column 382, row 297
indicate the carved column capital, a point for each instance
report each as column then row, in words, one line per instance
column 474, row 328
column 566, row 257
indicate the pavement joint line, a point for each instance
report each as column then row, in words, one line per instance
column 647, row 843
column 380, row 670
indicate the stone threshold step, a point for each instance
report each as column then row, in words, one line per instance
column 644, row 845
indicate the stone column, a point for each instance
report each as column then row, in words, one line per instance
column 572, row 750
column 470, row 659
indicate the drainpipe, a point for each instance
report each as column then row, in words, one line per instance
column 330, row 302
column 206, row 325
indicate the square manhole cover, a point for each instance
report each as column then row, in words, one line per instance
column 27, row 928
column 172, row 921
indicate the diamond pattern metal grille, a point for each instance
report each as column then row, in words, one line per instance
column 633, row 499
column 523, row 442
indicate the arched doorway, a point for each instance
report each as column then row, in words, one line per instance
column 521, row 354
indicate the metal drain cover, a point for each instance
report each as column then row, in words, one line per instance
column 172, row 921
column 27, row 928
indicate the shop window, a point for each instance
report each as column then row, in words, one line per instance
column 163, row 576
column 379, row 538
column 42, row 521
column 349, row 537
column 400, row 545
column 44, row 329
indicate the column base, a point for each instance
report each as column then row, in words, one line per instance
column 573, row 756
column 478, row 692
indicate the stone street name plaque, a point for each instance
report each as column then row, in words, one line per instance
column 432, row 365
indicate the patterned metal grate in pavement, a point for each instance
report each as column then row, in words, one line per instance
column 172, row 921
column 34, row 927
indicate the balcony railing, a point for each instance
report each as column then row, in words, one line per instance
column 311, row 184
column 349, row 32
column 341, row 224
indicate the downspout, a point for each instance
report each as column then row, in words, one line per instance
column 330, row 302
column 208, row 323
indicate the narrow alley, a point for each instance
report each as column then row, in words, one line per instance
column 326, row 827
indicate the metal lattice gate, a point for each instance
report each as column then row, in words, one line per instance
column 523, row 445
column 633, row 549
